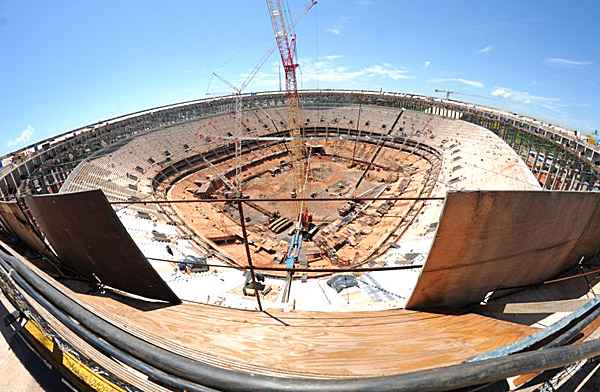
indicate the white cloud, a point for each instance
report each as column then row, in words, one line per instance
column 502, row 92
column 466, row 82
column 558, row 61
column 264, row 81
column 25, row 136
column 426, row 64
column 523, row 97
column 327, row 69
column 338, row 27
column 486, row 49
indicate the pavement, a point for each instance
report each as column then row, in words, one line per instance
column 21, row 369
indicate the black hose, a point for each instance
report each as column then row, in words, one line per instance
column 575, row 330
column 440, row 379
column 101, row 344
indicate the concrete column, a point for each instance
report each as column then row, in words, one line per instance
column 503, row 132
column 6, row 188
column 550, row 167
column 573, row 179
column 44, row 183
column 520, row 148
column 565, row 179
column 579, row 181
column 19, row 170
column 514, row 138
column 15, row 183
column 546, row 181
column 535, row 161
column 541, row 170
column 55, row 179
column 557, row 175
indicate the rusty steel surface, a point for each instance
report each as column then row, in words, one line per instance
column 87, row 235
column 492, row 239
column 17, row 222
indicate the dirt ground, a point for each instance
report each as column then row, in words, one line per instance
column 335, row 174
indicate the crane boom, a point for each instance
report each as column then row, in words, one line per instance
column 286, row 43
column 285, row 39
column 235, row 89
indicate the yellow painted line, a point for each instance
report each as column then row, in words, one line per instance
column 88, row 376
column 39, row 335
column 95, row 381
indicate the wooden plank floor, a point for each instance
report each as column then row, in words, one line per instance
column 309, row 344
column 312, row 344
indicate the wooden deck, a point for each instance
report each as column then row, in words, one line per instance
column 312, row 344
column 303, row 344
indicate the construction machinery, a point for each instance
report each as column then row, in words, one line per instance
column 237, row 92
column 285, row 38
column 450, row 93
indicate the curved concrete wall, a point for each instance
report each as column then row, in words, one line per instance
column 51, row 160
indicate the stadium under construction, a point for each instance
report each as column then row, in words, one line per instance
column 306, row 240
column 444, row 239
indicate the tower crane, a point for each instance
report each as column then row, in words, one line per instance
column 450, row 93
column 285, row 38
column 237, row 92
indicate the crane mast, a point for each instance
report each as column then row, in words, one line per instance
column 286, row 43
column 237, row 92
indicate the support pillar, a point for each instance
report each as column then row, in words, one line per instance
column 541, row 171
column 535, row 161
column 550, row 167
column 559, row 169
column 573, row 176
column 248, row 255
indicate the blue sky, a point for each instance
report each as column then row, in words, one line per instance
column 66, row 63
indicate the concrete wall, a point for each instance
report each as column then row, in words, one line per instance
column 60, row 147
